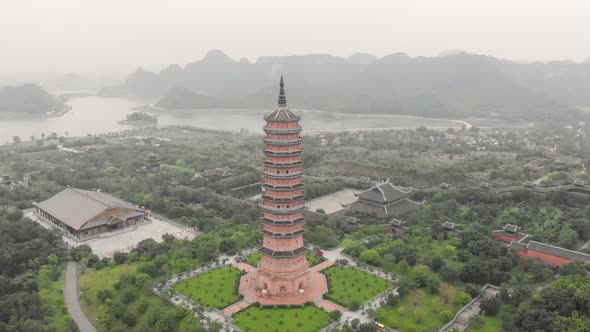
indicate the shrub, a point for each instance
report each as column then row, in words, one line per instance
column 103, row 295
column 490, row 307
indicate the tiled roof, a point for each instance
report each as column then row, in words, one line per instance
column 76, row 207
column 384, row 193
column 386, row 210
column 282, row 115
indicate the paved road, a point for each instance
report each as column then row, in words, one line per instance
column 71, row 299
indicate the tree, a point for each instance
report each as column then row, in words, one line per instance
column 335, row 315
column 371, row 256
column 103, row 295
column 355, row 323
column 490, row 306
column 16, row 139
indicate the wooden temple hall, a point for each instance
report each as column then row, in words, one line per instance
column 84, row 214
column 384, row 201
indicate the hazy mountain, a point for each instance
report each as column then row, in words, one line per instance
column 27, row 99
column 361, row 58
column 455, row 85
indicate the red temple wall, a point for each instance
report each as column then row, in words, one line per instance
column 283, row 194
column 289, row 148
column 283, row 229
column 505, row 238
column 282, row 125
column 283, row 160
column 282, row 205
column 542, row 256
column 289, row 170
column 289, row 217
column 283, row 244
column 282, row 183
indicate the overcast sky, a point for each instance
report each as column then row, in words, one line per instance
column 118, row 33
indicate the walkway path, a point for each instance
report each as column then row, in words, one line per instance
column 244, row 267
column 329, row 306
column 236, row 307
column 72, row 301
column 323, row 265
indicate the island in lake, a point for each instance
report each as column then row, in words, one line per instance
column 30, row 100
column 139, row 118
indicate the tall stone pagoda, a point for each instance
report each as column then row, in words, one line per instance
column 283, row 272
column 282, row 261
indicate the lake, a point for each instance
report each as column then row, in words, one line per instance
column 96, row 115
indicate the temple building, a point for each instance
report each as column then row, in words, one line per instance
column 283, row 275
column 84, row 214
column 385, row 201
column 525, row 247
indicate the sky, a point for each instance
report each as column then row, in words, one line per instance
column 100, row 35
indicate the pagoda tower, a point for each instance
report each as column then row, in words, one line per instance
column 282, row 265
column 283, row 275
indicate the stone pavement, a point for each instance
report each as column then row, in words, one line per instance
column 236, row 307
column 322, row 265
column 245, row 267
column 329, row 306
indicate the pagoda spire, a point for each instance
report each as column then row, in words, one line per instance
column 282, row 97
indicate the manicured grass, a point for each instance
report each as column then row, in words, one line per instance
column 52, row 296
column 94, row 281
column 305, row 319
column 419, row 312
column 254, row 258
column 348, row 285
column 216, row 288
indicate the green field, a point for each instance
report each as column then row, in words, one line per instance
column 420, row 311
column 52, row 296
column 305, row 319
column 349, row 285
column 254, row 258
column 216, row 288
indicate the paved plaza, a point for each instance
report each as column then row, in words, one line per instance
column 126, row 239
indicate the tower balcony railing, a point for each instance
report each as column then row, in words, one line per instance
column 282, row 153
column 282, row 199
column 283, row 176
column 283, row 165
column 283, row 222
column 282, row 188
column 280, row 142
column 290, row 253
column 276, row 235
column 282, row 130
column 282, row 210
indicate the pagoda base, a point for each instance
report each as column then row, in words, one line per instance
column 315, row 288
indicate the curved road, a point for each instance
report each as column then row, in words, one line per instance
column 72, row 301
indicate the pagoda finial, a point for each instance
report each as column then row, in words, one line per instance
column 282, row 98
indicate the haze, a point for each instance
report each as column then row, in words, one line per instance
column 58, row 35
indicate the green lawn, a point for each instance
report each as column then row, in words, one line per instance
column 52, row 296
column 420, row 311
column 216, row 288
column 305, row 319
column 254, row 258
column 348, row 285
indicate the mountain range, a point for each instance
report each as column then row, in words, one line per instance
column 455, row 84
